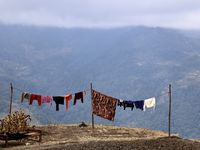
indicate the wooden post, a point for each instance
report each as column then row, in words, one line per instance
column 170, row 99
column 11, row 97
column 92, row 107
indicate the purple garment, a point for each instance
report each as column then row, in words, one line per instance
column 139, row 104
column 78, row 96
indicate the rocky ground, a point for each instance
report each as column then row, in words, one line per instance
column 102, row 137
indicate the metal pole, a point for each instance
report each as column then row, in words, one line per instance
column 92, row 107
column 170, row 99
column 11, row 97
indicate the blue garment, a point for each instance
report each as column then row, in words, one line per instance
column 139, row 104
column 125, row 104
column 129, row 104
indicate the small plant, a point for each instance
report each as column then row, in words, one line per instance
column 15, row 123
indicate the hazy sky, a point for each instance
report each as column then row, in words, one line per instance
column 102, row 13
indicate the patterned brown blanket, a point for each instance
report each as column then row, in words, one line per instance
column 103, row 105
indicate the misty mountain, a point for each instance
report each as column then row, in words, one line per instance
column 128, row 63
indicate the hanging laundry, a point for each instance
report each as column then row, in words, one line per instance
column 78, row 96
column 58, row 100
column 47, row 99
column 103, row 106
column 128, row 104
column 68, row 98
column 120, row 103
column 149, row 103
column 35, row 97
column 139, row 104
column 25, row 95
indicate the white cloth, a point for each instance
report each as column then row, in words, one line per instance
column 121, row 101
column 150, row 102
column 25, row 95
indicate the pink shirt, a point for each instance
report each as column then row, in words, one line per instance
column 47, row 99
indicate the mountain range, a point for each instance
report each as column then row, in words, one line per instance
column 128, row 63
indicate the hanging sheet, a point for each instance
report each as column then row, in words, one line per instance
column 103, row 105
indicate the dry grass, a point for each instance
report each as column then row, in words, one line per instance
column 15, row 122
column 105, row 137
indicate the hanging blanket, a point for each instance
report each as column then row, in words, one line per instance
column 103, row 106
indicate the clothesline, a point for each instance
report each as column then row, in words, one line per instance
column 157, row 96
column 7, row 90
column 160, row 95
column 5, row 94
column 102, row 105
column 20, row 90
column 88, row 90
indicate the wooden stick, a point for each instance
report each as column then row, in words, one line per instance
column 92, row 107
column 170, row 99
column 11, row 97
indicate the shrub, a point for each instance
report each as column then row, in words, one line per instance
column 15, row 122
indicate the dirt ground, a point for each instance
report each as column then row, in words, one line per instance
column 57, row 137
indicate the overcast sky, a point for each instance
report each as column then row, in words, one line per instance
column 184, row 14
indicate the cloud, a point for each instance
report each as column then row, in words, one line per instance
column 102, row 13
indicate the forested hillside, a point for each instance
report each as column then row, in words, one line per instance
column 128, row 63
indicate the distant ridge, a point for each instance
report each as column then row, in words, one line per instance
column 128, row 63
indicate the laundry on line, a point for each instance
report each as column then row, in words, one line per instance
column 59, row 100
column 102, row 105
column 139, row 104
